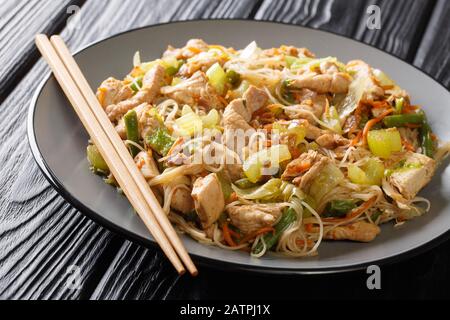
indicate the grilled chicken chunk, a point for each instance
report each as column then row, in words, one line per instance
column 310, row 102
column 192, row 48
column 250, row 218
column 208, row 198
column 358, row 231
column 255, row 99
column 415, row 174
column 182, row 200
column 235, row 121
column 330, row 140
column 322, row 83
column 113, row 91
column 303, row 169
column 195, row 90
column 151, row 86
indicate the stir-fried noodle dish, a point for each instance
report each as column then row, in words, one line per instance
column 272, row 149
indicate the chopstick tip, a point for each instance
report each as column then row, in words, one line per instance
column 194, row 273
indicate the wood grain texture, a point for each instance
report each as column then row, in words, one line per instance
column 399, row 31
column 41, row 235
column 433, row 55
column 20, row 21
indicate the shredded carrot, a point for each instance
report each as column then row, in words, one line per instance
column 408, row 146
column 194, row 50
column 356, row 212
column 223, row 100
column 434, row 137
column 309, row 227
column 410, row 109
column 227, row 235
column 309, row 243
column 303, row 166
column 233, row 197
column 101, row 95
column 259, row 232
column 373, row 122
column 356, row 139
column 174, row 148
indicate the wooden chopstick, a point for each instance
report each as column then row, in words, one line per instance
column 96, row 108
column 105, row 147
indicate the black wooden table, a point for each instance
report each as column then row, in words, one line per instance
column 42, row 237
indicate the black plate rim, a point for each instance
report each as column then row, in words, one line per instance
column 205, row 261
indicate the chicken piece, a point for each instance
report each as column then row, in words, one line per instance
column 182, row 201
column 146, row 164
column 151, row 86
column 362, row 70
column 328, row 67
column 112, row 91
column 195, row 90
column 255, row 99
column 358, row 231
column 310, row 102
column 234, row 171
column 237, row 129
column 237, row 115
column 201, row 62
column 208, row 198
column 322, row 83
column 192, row 48
column 305, row 168
column 330, row 140
column 250, row 218
column 415, row 174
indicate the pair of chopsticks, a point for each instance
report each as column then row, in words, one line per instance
column 113, row 150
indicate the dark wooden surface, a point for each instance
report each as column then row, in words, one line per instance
column 41, row 235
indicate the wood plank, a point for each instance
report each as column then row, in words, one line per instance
column 400, row 28
column 20, row 21
column 433, row 55
column 41, row 235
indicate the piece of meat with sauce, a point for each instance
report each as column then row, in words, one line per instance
column 322, row 83
column 331, row 140
column 305, row 168
column 182, row 200
column 414, row 175
column 360, row 231
column 251, row 218
column 194, row 91
column 208, row 198
column 238, row 131
column 113, row 91
column 192, row 48
column 201, row 62
column 152, row 83
column 310, row 102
